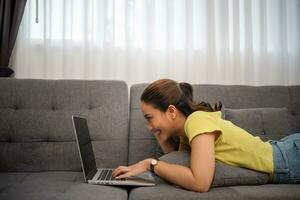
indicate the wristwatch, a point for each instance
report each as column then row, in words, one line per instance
column 153, row 163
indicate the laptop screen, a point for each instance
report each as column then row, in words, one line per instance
column 84, row 145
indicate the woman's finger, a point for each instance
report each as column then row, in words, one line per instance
column 125, row 175
column 115, row 171
column 120, row 170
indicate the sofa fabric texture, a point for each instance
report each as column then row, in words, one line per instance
column 38, row 154
column 267, row 123
column 54, row 185
column 36, row 131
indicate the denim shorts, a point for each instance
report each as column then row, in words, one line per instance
column 286, row 159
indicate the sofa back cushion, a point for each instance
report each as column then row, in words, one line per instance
column 143, row 145
column 36, row 131
column 267, row 123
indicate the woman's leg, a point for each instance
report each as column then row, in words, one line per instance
column 286, row 156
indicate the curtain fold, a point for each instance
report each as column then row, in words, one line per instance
column 11, row 12
column 252, row 42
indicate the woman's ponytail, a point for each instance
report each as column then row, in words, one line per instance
column 187, row 90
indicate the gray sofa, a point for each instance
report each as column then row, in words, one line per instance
column 39, row 157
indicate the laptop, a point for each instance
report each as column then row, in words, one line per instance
column 101, row 176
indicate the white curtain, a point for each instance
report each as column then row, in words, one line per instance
column 253, row 42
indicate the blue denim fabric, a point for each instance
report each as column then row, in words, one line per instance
column 286, row 158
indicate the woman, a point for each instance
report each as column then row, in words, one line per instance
column 171, row 111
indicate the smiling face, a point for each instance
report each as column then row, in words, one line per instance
column 163, row 124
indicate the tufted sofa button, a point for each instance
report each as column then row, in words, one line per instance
column 53, row 107
column 90, row 107
column 16, row 107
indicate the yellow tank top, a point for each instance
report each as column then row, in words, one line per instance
column 235, row 146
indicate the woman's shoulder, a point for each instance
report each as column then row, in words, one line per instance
column 205, row 114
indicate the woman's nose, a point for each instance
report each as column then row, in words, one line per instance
column 149, row 127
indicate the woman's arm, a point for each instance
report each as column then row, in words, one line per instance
column 196, row 178
column 199, row 176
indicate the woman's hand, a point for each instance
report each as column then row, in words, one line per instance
column 127, row 171
column 160, row 137
column 164, row 143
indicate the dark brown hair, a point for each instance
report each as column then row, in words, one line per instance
column 165, row 92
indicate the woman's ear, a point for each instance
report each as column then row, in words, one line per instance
column 172, row 111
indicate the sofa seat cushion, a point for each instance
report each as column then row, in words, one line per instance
column 167, row 192
column 54, row 185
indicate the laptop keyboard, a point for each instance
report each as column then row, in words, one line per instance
column 105, row 175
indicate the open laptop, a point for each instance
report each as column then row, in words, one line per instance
column 101, row 176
